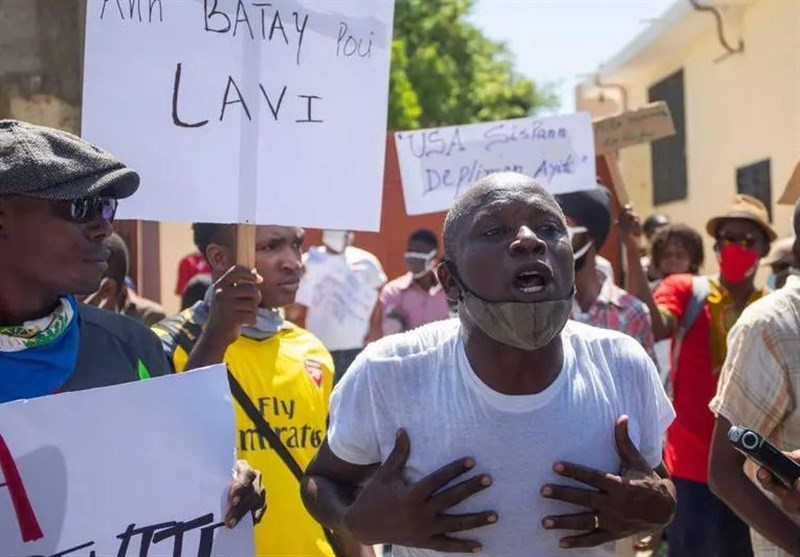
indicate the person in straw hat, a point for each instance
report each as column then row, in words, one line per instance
column 697, row 313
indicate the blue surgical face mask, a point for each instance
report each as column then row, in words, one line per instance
column 772, row 281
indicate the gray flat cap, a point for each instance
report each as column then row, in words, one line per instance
column 53, row 164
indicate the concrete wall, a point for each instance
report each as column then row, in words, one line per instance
column 738, row 111
column 41, row 59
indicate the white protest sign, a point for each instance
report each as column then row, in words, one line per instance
column 135, row 470
column 438, row 164
column 340, row 294
column 243, row 111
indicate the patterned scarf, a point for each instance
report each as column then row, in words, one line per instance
column 39, row 356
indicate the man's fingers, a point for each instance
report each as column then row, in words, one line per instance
column 448, row 544
column 770, row 483
column 592, row 539
column 397, row 459
column 454, row 495
column 443, row 476
column 630, row 455
column 449, row 523
column 582, row 497
column 589, row 476
column 238, row 274
column 577, row 521
column 261, row 508
column 240, row 291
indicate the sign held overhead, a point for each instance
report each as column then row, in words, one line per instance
column 238, row 111
column 642, row 125
column 438, row 164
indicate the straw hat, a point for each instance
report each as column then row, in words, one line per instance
column 744, row 207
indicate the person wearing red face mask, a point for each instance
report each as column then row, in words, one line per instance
column 697, row 313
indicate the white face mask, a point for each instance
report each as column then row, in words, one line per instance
column 581, row 253
column 429, row 259
column 336, row 240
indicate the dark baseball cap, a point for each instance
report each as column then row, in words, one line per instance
column 52, row 164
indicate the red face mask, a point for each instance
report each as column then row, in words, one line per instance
column 736, row 262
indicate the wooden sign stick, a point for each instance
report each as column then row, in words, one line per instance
column 616, row 178
column 246, row 245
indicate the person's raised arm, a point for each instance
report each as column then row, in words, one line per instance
column 636, row 280
column 728, row 482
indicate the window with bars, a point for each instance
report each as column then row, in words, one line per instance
column 754, row 179
column 669, row 153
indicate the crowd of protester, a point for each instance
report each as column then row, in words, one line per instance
column 505, row 386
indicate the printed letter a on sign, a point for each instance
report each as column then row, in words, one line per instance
column 28, row 525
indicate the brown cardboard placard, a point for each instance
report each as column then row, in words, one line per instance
column 792, row 192
column 642, row 125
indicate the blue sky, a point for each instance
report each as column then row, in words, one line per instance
column 558, row 40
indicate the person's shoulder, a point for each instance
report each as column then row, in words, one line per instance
column 110, row 323
column 179, row 330
column 363, row 256
column 625, row 299
column 315, row 255
column 178, row 323
column 676, row 282
column 612, row 346
column 422, row 340
column 397, row 284
column 777, row 309
column 140, row 341
column 297, row 334
column 406, row 362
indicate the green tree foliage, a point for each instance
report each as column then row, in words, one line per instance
column 445, row 72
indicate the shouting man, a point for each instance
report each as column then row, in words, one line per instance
column 508, row 430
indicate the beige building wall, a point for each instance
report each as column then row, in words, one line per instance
column 740, row 110
column 176, row 242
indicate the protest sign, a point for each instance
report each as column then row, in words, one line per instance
column 642, row 125
column 249, row 112
column 791, row 194
column 135, row 470
column 438, row 164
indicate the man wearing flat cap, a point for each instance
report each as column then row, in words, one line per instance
column 697, row 313
column 58, row 197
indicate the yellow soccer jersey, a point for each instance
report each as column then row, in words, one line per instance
column 289, row 378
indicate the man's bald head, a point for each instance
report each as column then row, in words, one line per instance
column 501, row 185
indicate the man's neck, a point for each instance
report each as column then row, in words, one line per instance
column 512, row 371
column 19, row 304
column 588, row 284
column 740, row 291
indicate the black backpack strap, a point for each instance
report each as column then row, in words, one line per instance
column 264, row 429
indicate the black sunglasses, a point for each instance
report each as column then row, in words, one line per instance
column 744, row 240
column 88, row 209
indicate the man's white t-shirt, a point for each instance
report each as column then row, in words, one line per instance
column 340, row 292
column 422, row 381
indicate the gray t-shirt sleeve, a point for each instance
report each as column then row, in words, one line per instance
column 352, row 429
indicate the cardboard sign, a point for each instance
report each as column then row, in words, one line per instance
column 438, row 164
column 792, row 192
column 135, row 470
column 643, row 125
column 248, row 112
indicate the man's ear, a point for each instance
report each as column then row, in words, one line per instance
column 219, row 257
column 448, row 281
